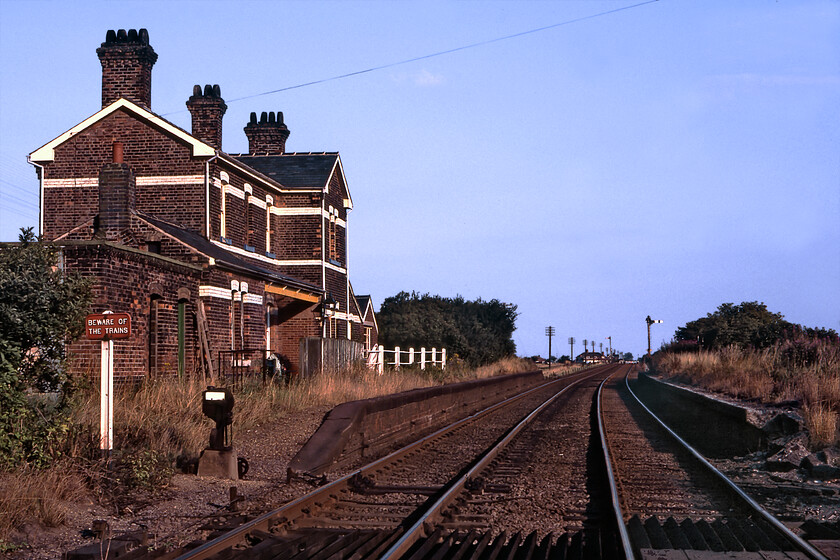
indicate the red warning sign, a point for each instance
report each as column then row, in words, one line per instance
column 108, row 326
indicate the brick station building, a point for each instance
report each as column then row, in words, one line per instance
column 210, row 253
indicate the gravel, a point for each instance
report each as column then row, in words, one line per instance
column 174, row 515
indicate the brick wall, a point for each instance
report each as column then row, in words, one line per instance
column 125, row 282
column 127, row 60
column 148, row 153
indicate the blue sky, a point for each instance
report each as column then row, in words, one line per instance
column 659, row 160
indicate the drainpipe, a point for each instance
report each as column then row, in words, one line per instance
column 40, row 172
column 323, row 242
column 207, row 194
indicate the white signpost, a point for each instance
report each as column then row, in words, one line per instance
column 106, row 327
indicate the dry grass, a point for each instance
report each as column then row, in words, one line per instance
column 42, row 496
column 821, row 423
column 808, row 373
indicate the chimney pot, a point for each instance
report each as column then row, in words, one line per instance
column 207, row 111
column 127, row 60
column 269, row 135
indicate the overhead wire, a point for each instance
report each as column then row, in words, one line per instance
column 435, row 54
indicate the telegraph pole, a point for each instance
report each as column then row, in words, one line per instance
column 549, row 332
column 649, row 322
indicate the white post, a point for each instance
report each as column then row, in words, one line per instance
column 411, row 355
column 423, row 357
column 443, row 358
column 434, row 356
column 381, row 361
column 106, row 401
column 397, row 357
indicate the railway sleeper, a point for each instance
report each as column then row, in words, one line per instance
column 737, row 537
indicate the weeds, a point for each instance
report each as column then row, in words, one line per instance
column 802, row 370
column 41, row 495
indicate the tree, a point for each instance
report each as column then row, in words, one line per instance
column 477, row 331
column 747, row 324
column 40, row 309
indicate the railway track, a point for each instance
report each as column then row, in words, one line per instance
column 688, row 505
column 393, row 499
column 575, row 468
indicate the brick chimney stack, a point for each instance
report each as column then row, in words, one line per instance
column 267, row 137
column 127, row 60
column 116, row 198
column 207, row 110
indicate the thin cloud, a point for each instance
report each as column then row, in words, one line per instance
column 424, row 78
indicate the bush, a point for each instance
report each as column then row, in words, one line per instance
column 40, row 309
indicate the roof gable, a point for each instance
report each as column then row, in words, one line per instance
column 47, row 151
column 299, row 170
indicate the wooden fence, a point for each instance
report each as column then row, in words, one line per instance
column 318, row 354
column 379, row 357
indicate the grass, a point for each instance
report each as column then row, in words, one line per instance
column 807, row 372
column 27, row 494
column 161, row 420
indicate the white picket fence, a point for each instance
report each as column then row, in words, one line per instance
column 379, row 357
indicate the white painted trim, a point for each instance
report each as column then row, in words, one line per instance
column 214, row 292
column 238, row 193
column 257, row 202
column 47, row 151
column 348, row 202
column 72, row 182
column 308, row 211
column 170, row 180
column 263, row 258
column 305, row 211
column 344, row 316
column 331, row 266
column 254, row 298
column 153, row 181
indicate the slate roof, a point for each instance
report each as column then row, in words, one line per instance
column 225, row 259
column 294, row 170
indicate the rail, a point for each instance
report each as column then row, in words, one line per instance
column 751, row 504
column 435, row 510
column 623, row 536
column 291, row 511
